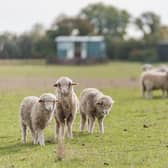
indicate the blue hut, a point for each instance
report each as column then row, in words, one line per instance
column 80, row 47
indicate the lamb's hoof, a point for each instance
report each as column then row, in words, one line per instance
column 23, row 142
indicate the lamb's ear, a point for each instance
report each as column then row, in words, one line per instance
column 40, row 100
column 55, row 85
column 113, row 101
column 57, row 101
column 74, row 83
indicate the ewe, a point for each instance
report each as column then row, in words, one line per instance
column 152, row 80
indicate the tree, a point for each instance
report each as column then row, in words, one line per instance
column 107, row 20
column 8, row 46
column 25, row 44
column 64, row 25
column 149, row 24
column 37, row 32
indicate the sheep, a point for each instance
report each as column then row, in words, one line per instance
column 152, row 80
column 36, row 113
column 162, row 68
column 94, row 104
column 147, row 67
column 67, row 108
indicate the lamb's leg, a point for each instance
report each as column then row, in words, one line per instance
column 41, row 137
column 62, row 130
column 143, row 89
column 91, row 124
column 149, row 94
column 101, row 126
column 69, row 126
column 35, row 139
column 163, row 93
column 33, row 134
column 82, row 122
column 57, row 128
column 24, row 132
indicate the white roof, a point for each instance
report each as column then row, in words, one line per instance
column 78, row 38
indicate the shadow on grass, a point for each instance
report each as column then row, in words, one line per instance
column 5, row 137
column 157, row 97
column 14, row 148
column 81, row 134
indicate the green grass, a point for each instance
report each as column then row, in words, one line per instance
column 136, row 131
column 115, row 69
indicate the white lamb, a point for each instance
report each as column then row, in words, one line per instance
column 94, row 104
column 67, row 107
column 36, row 113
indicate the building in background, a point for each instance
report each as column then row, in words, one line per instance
column 162, row 50
column 80, row 48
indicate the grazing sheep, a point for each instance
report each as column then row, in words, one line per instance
column 67, row 107
column 94, row 104
column 151, row 80
column 162, row 68
column 147, row 67
column 36, row 113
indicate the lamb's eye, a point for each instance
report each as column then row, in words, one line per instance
column 100, row 104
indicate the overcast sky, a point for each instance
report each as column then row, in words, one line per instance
column 19, row 15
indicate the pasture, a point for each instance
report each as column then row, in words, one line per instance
column 136, row 131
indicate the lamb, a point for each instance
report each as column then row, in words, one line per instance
column 67, row 108
column 152, row 80
column 94, row 104
column 36, row 113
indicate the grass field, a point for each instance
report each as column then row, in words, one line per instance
column 136, row 131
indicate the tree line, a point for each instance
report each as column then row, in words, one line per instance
column 94, row 19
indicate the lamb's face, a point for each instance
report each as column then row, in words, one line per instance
column 104, row 104
column 64, row 86
column 48, row 101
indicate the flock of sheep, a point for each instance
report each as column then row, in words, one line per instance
column 154, row 78
column 37, row 112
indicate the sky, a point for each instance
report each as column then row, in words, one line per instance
column 20, row 15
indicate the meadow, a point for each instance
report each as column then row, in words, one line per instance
column 136, row 131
